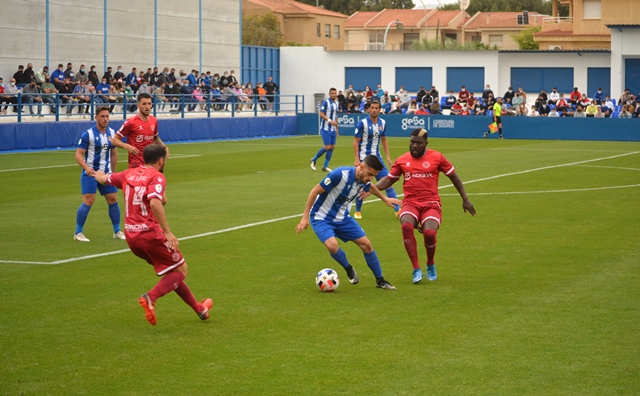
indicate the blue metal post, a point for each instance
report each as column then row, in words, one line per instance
column 19, row 107
column 57, row 106
column 296, row 104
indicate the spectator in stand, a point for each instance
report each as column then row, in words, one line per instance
column 405, row 100
column 19, row 77
column 420, row 95
column 120, row 74
column 154, row 78
column 49, row 94
column 471, row 102
column 147, row 76
column 224, row 80
column 351, row 102
column 636, row 113
column 544, row 109
column 83, row 96
column 522, row 94
column 272, row 88
column 216, row 97
column 554, row 96
column 522, row 110
column 624, row 112
column 598, row 96
column 508, row 96
column 198, row 98
column 172, row 90
column 31, row 94
column 232, row 77
column 426, row 99
column 562, row 104
column 41, row 75
column 533, row 112
column 141, row 79
column 422, row 110
column 262, row 96
column 623, row 97
column 599, row 113
column 554, row 113
column 248, row 94
column 192, row 79
column 240, row 98
column 544, row 95
column 114, row 96
column 584, row 101
column 93, row 76
column 434, row 107
column 5, row 98
column 463, row 95
column 341, row 100
column 132, row 80
column 477, row 108
column 102, row 90
column 82, row 75
column 592, row 109
column 517, row 100
column 172, row 76
column 368, row 93
column 411, row 110
column 228, row 95
column 350, row 89
column 451, row 100
column 538, row 102
column 579, row 112
column 143, row 87
column 98, row 100
column 491, row 101
column 132, row 100
column 400, row 91
column 456, row 109
column 435, row 95
column 163, row 78
column 379, row 92
column 29, row 74
column 486, row 92
column 187, row 90
column 575, row 96
column 631, row 108
column 66, row 95
column 69, row 74
column 608, row 106
column 108, row 74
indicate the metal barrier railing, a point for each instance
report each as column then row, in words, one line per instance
column 206, row 105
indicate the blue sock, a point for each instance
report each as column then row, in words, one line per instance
column 391, row 193
column 328, row 157
column 341, row 258
column 81, row 217
column 114, row 215
column 319, row 154
column 373, row 263
column 359, row 204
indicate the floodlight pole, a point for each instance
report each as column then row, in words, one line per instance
column 398, row 24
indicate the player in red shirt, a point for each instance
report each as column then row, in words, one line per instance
column 141, row 130
column 147, row 231
column 421, row 206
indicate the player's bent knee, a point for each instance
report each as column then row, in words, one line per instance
column 332, row 245
column 430, row 236
column 365, row 245
column 407, row 226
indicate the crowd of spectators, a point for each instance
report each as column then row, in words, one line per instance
column 466, row 103
column 196, row 91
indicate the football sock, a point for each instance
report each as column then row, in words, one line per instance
column 168, row 283
column 358, row 204
column 430, row 244
column 500, row 131
column 373, row 263
column 327, row 158
column 319, row 154
column 185, row 294
column 410, row 244
column 114, row 214
column 81, row 216
column 341, row 258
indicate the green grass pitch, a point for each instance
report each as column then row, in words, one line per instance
column 539, row 294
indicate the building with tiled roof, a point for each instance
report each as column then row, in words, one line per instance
column 302, row 23
column 497, row 28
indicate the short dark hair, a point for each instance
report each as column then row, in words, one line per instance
column 153, row 153
column 144, row 95
column 375, row 101
column 372, row 161
column 101, row 109
column 332, row 89
column 421, row 132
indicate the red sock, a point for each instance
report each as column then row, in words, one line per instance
column 185, row 294
column 430, row 244
column 168, row 283
column 410, row 244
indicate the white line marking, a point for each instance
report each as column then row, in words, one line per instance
column 175, row 156
column 298, row 215
column 547, row 191
column 609, row 167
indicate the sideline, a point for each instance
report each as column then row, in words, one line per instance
column 69, row 260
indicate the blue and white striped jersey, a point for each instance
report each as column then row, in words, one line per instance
column 330, row 109
column 341, row 187
column 370, row 135
column 98, row 148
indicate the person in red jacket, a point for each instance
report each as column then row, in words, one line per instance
column 575, row 96
column 463, row 95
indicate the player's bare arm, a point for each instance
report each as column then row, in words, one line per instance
column 158, row 211
column 157, row 139
column 304, row 222
column 356, row 150
column 80, row 160
column 385, row 183
column 117, row 141
column 385, row 146
column 101, row 177
column 388, row 201
column 114, row 160
column 467, row 206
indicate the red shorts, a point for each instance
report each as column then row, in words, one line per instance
column 422, row 211
column 160, row 256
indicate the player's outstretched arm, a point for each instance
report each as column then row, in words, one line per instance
column 388, row 201
column 80, row 160
column 101, row 177
column 467, row 206
column 117, row 141
column 356, row 149
column 385, row 183
column 158, row 211
column 304, row 222
column 385, row 146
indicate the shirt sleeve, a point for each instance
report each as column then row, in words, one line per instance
column 84, row 141
column 332, row 180
column 445, row 166
column 323, row 107
column 359, row 129
column 116, row 179
column 124, row 129
column 156, row 187
column 396, row 170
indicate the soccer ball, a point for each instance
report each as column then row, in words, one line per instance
column 327, row 280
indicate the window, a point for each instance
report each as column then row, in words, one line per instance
column 318, row 30
column 409, row 38
column 476, row 39
column 336, row 31
column 375, row 42
column 495, row 39
column 592, row 9
column 327, row 31
column 451, row 36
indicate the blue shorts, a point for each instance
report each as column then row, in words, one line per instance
column 328, row 137
column 89, row 185
column 348, row 230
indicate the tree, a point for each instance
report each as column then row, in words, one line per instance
column 262, row 30
column 524, row 39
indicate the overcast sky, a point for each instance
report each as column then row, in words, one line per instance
column 432, row 3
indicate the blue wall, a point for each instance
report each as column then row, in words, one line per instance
column 29, row 136
column 474, row 126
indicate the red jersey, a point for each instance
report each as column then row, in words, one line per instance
column 463, row 95
column 575, row 96
column 421, row 175
column 140, row 185
column 139, row 134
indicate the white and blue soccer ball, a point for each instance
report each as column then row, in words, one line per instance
column 327, row 280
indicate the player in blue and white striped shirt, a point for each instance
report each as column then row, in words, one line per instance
column 96, row 152
column 327, row 209
column 370, row 134
column 328, row 129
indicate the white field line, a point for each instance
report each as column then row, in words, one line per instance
column 609, row 167
column 298, row 215
column 545, row 191
column 175, row 156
